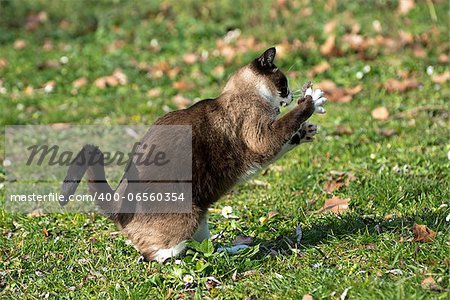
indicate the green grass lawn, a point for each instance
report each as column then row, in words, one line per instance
column 400, row 163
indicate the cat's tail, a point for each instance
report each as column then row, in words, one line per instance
column 90, row 159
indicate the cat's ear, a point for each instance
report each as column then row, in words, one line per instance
column 267, row 58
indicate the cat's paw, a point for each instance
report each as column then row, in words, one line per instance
column 318, row 99
column 305, row 134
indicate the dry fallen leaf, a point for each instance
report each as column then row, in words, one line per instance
column 380, row 113
column 117, row 77
column 3, row 63
column 182, row 85
column 329, row 47
column 335, row 205
column 338, row 94
column 404, row 6
column 337, row 180
column 272, row 214
column 307, row 297
column 423, row 234
column 155, row 92
column 394, row 85
column 387, row 132
column 190, row 58
column 443, row 58
column 318, row 69
column 429, row 283
column 181, row 102
column 343, row 130
column 20, row 44
column 330, row 26
column 441, row 78
column 78, row 83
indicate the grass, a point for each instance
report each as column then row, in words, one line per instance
column 400, row 180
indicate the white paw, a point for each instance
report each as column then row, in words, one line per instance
column 318, row 98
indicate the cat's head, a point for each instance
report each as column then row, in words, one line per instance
column 262, row 77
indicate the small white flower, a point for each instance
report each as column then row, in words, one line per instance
column 226, row 211
column 2, row 90
column 373, row 156
column 48, row 88
column 6, row 163
column 359, row 75
column 430, row 70
column 117, row 286
column 20, row 106
column 177, row 261
column 447, row 218
column 188, row 279
column 1, row 185
column 64, row 60
column 366, row 69
column 154, row 43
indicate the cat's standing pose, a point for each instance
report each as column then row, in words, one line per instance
column 233, row 137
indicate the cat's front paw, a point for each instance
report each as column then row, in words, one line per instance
column 305, row 134
column 318, row 99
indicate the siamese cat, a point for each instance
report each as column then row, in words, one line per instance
column 233, row 137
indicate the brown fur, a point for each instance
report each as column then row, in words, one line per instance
column 230, row 135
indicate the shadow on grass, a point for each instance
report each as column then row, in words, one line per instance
column 349, row 224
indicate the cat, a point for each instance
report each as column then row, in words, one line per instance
column 233, row 137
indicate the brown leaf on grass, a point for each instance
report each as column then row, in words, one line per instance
column 429, row 283
column 443, row 58
column 404, row 6
column 3, row 63
column 34, row 20
column 330, row 26
column 441, row 78
column 335, row 205
column 120, row 76
column 20, row 44
column 423, row 234
column 272, row 214
column 394, row 85
column 338, row 94
column 307, row 297
column 49, row 64
column 117, row 77
column 387, row 132
column 343, row 130
column 318, row 69
column 218, row 71
column 356, row 41
column 80, row 82
column 329, row 47
column 181, row 102
column 380, row 113
column 419, row 51
column 190, row 58
column 155, row 92
column 336, row 180
column 45, row 232
column 182, row 85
